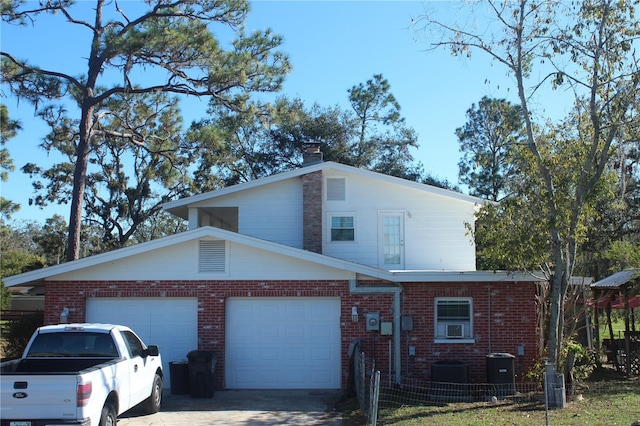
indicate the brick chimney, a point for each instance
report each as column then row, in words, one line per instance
column 312, row 200
column 312, row 154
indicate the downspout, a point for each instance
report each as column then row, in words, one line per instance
column 396, row 291
column 489, row 319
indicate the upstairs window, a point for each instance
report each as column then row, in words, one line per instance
column 342, row 228
column 453, row 319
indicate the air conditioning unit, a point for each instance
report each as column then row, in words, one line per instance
column 455, row 331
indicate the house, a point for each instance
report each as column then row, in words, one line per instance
column 280, row 275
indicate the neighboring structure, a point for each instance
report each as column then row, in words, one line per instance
column 616, row 292
column 280, row 275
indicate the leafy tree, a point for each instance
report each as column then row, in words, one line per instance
column 51, row 240
column 488, row 140
column 616, row 224
column 585, row 48
column 157, row 226
column 19, row 254
column 16, row 333
column 383, row 142
column 232, row 147
column 8, row 129
column 268, row 139
column 138, row 161
column 169, row 48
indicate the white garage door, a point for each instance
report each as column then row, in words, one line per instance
column 170, row 323
column 283, row 343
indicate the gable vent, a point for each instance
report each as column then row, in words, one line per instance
column 212, row 256
column 336, row 189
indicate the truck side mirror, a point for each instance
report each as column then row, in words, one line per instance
column 152, row 350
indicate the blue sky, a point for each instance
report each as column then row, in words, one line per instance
column 333, row 45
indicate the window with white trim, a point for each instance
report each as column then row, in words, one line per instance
column 453, row 318
column 342, row 228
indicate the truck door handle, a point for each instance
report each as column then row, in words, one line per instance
column 135, row 368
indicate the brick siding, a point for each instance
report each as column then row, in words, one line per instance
column 507, row 309
column 312, row 212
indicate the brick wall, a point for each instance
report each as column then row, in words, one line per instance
column 507, row 310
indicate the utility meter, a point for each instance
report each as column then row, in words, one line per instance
column 373, row 321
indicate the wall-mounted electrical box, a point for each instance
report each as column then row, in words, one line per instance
column 373, row 321
column 386, row 328
column 407, row 323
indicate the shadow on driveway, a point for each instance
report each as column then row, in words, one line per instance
column 243, row 407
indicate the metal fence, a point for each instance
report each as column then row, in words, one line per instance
column 375, row 391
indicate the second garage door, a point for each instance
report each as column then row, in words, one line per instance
column 282, row 343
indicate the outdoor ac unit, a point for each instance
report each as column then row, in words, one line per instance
column 455, row 330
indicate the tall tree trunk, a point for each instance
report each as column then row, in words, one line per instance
column 79, row 183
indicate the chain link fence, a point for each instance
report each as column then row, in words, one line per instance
column 375, row 391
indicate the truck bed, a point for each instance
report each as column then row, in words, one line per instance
column 46, row 366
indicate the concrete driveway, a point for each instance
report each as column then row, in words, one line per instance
column 254, row 407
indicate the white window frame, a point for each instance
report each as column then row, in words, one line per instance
column 439, row 329
column 330, row 228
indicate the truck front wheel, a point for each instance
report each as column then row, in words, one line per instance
column 109, row 417
column 152, row 404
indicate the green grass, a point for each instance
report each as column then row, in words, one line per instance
column 604, row 402
column 617, row 323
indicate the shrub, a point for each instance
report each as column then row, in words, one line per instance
column 16, row 333
column 584, row 362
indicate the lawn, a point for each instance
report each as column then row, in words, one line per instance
column 600, row 402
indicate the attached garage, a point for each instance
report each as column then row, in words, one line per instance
column 170, row 323
column 282, row 343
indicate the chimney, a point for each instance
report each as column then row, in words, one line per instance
column 312, row 154
column 312, row 211
column 312, row 200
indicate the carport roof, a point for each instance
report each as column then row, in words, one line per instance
column 617, row 280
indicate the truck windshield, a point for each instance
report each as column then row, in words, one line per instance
column 73, row 344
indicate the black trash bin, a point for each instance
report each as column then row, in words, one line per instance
column 179, row 373
column 201, row 366
column 501, row 373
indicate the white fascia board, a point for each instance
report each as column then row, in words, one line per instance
column 464, row 276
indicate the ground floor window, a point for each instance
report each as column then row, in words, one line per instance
column 453, row 319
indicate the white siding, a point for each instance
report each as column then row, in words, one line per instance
column 180, row 262
column 435, row 233
column 270, row 212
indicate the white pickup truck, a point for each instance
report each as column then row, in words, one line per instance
column 80, row 374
